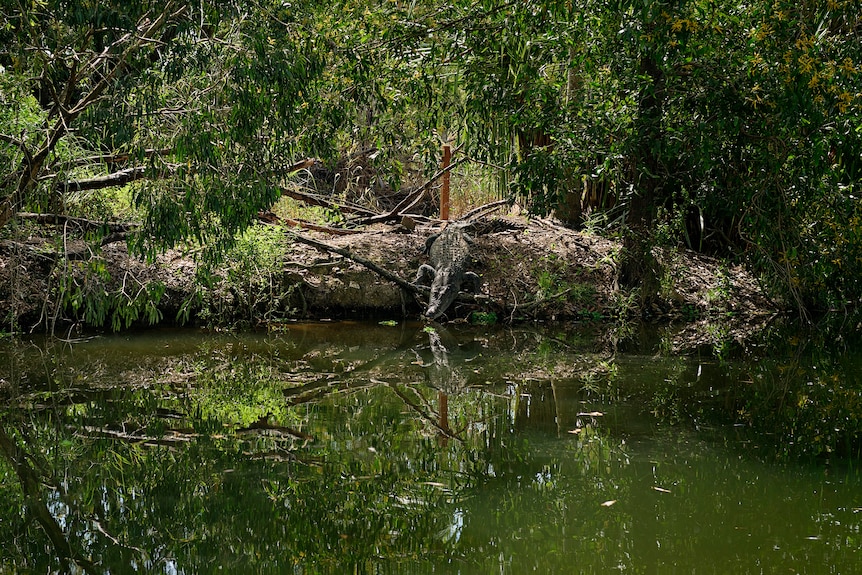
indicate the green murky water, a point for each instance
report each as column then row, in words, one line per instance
column 362, row 448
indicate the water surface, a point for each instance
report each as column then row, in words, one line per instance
column 359, row 447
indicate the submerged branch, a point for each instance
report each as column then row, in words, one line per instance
column 318, row 389
column 422, row 413
column 263, row 424
column 170, row 437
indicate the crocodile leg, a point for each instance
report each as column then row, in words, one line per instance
column 473, row 281
column 429, row 242
column 425, row 275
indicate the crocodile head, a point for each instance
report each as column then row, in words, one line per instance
column 444, row 290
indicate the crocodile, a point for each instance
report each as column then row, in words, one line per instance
column 448, row 255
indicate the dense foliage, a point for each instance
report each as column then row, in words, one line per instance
column 732, row 127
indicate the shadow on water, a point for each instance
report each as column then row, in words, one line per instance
column 419, row 448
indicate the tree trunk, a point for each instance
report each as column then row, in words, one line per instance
column 638, row 265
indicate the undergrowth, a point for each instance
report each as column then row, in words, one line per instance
column 249, row 287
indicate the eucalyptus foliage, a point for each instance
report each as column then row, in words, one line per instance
column 736, row 122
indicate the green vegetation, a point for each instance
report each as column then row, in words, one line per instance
column 483, row 318
column 733, row 128
column 250, row 287
column 82, row 293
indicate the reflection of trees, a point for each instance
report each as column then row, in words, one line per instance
column 536, row 407
column 31, row 482
column 174, row 462
column 323, row 445
column 325, row 454
column 807, row 396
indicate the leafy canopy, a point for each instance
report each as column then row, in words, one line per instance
column 745, row 115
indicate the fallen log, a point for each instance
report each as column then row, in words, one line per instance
column 118, row 178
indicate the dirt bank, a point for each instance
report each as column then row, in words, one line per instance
column 530, row 269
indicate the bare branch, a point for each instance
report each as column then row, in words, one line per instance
column 12, row 140
column 407, row 203
column 97, row 183
column 317, row 200
column 84, row 224
column 484, row 210
column 271, row 218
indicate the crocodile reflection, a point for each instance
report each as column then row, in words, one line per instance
column 445, row 373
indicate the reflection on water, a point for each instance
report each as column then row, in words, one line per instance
column 351, row 447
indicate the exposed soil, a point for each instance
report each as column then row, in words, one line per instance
column 532, row 269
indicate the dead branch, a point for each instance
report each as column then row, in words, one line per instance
column 119, row 178
column 386, row 274
column 114, row 238
column 318, row 200
column 483, row 211
column 301, row 165
column 541, row 301
column 271, row 218
column 14, row 141
column 413, row 198
column 50, row 254
column 82, row 223
column 12, row 247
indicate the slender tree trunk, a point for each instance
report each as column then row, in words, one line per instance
column 638, row 266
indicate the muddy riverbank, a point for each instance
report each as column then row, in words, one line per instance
column 530, row 270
